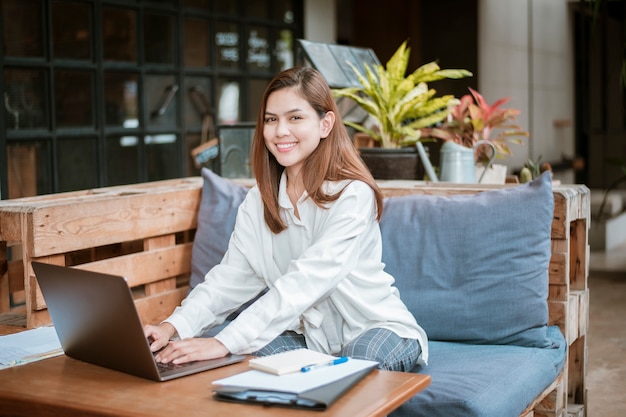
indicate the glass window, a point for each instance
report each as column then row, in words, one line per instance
column 161, row 101
column 122, row 160
column 197, row 4
column 284, row 11
column 120, row 99
column 22, row 28
column 227, row 45
column 162, row 2
column 228, row 102
column 71, row 30
column 24, row 99
column 77, row 156
column 108, row 92
column 73, row 98
column 257, row 8
column 161, row 156
column 197, row 101
column 158, row 39
column 196, row 43
column 226, row 7
column 259, row 49
column 255, row 94
column 119, row 34
column 284, row 49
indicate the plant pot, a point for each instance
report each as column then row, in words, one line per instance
column 393, row 164
column 496, row 174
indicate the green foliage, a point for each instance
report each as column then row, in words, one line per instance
column 401, row 105
column 534, row 166
column 525, row 175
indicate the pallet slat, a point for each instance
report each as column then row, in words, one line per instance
column 64, row 229
column 145, row 267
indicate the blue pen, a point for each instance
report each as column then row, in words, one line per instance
column 325, row 364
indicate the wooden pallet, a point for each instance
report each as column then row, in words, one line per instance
column 143, row 231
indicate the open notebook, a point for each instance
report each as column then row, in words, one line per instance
column 291, row 361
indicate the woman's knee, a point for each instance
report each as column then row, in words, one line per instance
column 391, row 351
column 286, row 341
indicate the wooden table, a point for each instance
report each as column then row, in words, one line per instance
column 63, row 386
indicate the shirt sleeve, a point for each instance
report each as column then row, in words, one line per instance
column 226, row 286
column 333, row 253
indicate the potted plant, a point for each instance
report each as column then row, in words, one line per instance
column 532, row 169
column 473, row 122
column 399, row 105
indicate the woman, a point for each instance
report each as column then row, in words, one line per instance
column 308, row 234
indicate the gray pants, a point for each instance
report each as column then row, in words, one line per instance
column 392, row 352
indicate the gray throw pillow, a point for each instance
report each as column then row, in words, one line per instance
column 216, row 220
column 474, row 268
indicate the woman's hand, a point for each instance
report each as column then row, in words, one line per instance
column 159, row 336
column 194, row 349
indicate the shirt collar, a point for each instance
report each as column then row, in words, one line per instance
column 283, row 197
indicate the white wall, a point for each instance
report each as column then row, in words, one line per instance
column 525, row 52
column 320, row 21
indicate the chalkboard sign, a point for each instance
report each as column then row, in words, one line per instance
column 235, row 141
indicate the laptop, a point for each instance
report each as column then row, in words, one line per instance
column 96, row 320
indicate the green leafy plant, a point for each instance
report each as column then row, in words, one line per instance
column 473, row 120
column 533, row 169
column 400, row 104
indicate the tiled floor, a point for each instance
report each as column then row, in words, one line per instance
column 606, row 340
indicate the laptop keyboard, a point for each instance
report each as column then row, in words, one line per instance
column 170, row 366
column 166, row 366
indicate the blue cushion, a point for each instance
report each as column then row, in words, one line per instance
column 474, row 267
column 485, row 380
column 216, row 220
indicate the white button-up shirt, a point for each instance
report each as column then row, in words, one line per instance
column 324, row 276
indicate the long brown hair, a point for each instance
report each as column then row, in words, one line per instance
column 335, row 159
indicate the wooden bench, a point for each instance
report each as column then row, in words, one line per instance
column 145, row 232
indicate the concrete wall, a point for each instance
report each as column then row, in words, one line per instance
column 525, row 53
column 320, row 23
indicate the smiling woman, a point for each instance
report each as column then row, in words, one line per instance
column 333, row 157
column 307, row 238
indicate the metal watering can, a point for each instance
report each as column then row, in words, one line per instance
column 457, row 162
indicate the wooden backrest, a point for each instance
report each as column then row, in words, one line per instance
column 143, row 232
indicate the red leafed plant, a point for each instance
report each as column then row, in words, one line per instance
column 473, row 120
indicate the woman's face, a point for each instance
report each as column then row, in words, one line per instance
column 292, row 129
